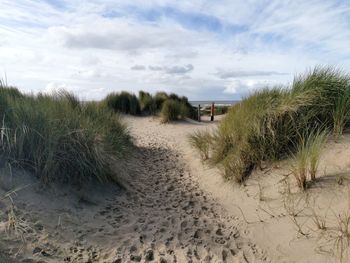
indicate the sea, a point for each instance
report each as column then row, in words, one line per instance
column 195, row 103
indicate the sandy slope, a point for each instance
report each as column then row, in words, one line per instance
column 163, row 215
column 176, row 209
column 273, row 213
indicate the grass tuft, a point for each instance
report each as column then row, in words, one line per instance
column 123, row 102
column 201, row 141
column 161, row 103
column 299, row 167
column 307, row 156
column 315, row 144
column 147, row 103
column 173, row 110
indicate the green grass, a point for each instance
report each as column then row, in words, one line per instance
column 159, row 99
column 173, row 110
column 219, row 110
column 299, row 167
column 58, row 138
column 201, row 140
column 146, row 104
column 171, row 104
column 341, row 112
column 315, row 144
column 266, row 125
column 123, row 102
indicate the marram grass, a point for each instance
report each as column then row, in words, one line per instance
column 315, row 144
column 170, row 107
column 306, row 159
column 123, row 102
column 173, row 110
column 267, row 125
column 58, row 138
column 201, row 140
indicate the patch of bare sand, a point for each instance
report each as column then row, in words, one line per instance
column 292, row 226
column 162, row 215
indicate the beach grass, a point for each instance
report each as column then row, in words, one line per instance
column 173, row 110
column 315, row 145
column 341, row 112
column 170, row 107
column 267, row 125
column 174, row 107
column 59, row 138
column 201, row 140
column 147, row 103
column 299, row 167
column 306, row 159
column 159, row 98
column 123, row 102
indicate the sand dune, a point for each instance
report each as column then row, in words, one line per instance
column 162, row 215
column 264, row 205
column 173, row 208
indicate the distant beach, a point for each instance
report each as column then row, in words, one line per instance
column 217, row 102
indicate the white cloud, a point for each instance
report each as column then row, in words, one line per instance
column 179, row 69
column 43, row 47
column 138, row 67
column 156, row 68
column 90, row 60
column 89, row 74
column 123, row 35
column 224, row 74
column 54, row 87
column 173, row 69
column 247, row 86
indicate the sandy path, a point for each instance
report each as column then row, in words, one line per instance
column 162, row 216
column 176, row 219
column 267, row 200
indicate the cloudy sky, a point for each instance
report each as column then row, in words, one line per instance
column 203, row 49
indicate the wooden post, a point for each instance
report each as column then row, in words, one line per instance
column 212, row 111
column 199, row 112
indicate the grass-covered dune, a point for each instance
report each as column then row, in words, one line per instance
column 170, row 107
column 280, row 122
column 123, row 102
column 58, row 138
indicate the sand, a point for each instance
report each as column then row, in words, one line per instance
column 274, row 214
column 161, row 215
column 174, row 208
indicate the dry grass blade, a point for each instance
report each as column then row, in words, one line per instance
column 201, row 141
column 15, row 225
column 315, row 144
column 299, row 167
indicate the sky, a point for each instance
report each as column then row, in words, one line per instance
column 203, row 49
